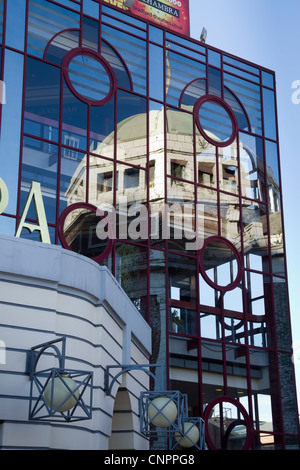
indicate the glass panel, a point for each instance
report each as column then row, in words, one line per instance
column 156, row 34
column 132, row 129
column 15, row 24
column 158, row 307
column 230, row 219
column 46, row 20
column 234, row 330
column 240, row 113
column 241, row 65
column 90, row 32
column 89, row 78
column 255, row 236
column 40, row 162
column 258, row 293
column 183, row 321
column 11, row 126
column 275, row 212
column 233, row 300
column 266, row 409
column 269, row 114
column 156, row 72
column 180, row 72
column 181, row 223
column 131, row 203
column 252, row 167
column 229, row 169
column 182, row 278
column 102, row 129
column 210, row 326
column 220, row 264
column 267, row 79
column 208, row 224
column 133, row 51
column 206, row 161
column 214, row 58
column 180, row 145
column 42, row 100
column 157, row 173
column 125, row 26
column 80, row 232
column 91, row 8
column 74, row 121
column 215, row 121
column 192, row 93
column 63, row 42
column 212, row 370
column 226, row 429
column 184, row 356
column 72, row 177
column 120, row 71
column 215, row 81
column 131, row 273
column 249, row 95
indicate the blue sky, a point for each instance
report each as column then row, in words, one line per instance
column 267, row 33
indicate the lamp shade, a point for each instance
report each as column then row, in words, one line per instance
column 191, row 435
column 61, row 393
column 162, row 412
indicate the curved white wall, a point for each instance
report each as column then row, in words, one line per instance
column 47, row 292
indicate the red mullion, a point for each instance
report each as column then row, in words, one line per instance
column 274, row 328
column 22, row 115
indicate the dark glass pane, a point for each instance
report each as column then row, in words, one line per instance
column 42, row 100
column 269, row 114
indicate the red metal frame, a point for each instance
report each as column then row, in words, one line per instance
column 111, row 248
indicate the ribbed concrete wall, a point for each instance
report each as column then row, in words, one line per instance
column 46, row 293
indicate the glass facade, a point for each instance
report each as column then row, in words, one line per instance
column 158, row 156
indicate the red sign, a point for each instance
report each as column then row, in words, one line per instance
column 172, row 14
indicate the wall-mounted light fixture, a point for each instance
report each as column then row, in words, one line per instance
column 163, row 411
column 57, row 393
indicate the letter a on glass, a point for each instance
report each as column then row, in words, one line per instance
column 35, row 193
